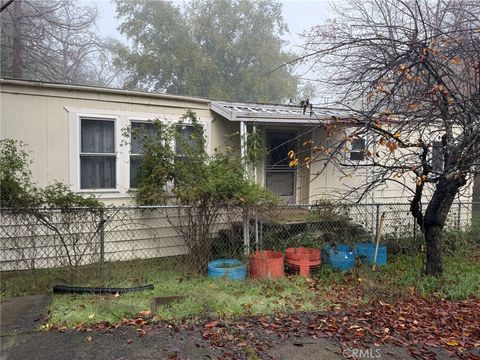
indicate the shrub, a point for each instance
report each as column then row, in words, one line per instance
column 17, row 189
column 205, row 187
column 27, row 203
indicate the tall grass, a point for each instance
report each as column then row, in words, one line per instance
column 205, row 297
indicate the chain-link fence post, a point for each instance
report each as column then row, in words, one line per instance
column 246, row 232
column 101, row 232
column 256, row 233
column 414, row 230
column 377, row 220
column 459, row 215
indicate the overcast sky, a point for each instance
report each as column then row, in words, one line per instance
column 299, row 15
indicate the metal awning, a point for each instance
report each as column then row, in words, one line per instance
column 276, row 114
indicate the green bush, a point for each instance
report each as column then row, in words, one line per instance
column 17, row 189
column 207, row 187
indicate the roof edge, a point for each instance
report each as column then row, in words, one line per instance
column 251, row 112
column 98, row 89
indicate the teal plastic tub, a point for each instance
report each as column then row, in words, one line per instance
column 366, row 253
column 232, row 269
column 342, row 257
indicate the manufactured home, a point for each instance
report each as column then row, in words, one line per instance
column 76, row 136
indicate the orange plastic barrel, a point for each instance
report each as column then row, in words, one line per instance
column 266, row 264
column 296, row 254
column 303, row 259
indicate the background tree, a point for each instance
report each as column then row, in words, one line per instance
column 409, row 73
column 53, row 41
column 216, row 49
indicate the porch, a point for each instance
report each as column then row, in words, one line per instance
column 282, row 128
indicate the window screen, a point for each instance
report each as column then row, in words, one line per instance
column 186, row 132
column 139, row 131
column 358, row 148
column 97, row 154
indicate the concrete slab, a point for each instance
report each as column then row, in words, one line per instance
column 331, row 349
column 122, row 344
column 22, row 314
column 308, row 349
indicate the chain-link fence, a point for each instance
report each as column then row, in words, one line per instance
column 96, row 246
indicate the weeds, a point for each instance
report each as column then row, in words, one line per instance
column 205, row 297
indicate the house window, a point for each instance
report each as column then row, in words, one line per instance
column 437, row 157
column 97, row 154
column 138, row 130
column 100, row 160
column 357, row 152
column 186, row 133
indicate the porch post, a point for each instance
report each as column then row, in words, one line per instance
column 243, row 147
column 243, row 154
column 254, row 130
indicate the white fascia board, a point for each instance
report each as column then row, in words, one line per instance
column 290, row 121
column 219, row 109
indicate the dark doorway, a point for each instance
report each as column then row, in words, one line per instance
column 280, row 177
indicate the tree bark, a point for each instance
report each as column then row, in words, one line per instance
column 434, row 222
column 433, row 237
column 17, row 46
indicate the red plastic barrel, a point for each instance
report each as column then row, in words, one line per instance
column 266, row 264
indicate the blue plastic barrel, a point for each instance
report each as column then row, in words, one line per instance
column 342, row 257
column 232, row 269
column 363, row 251
column 366, row 252
column 344, row 248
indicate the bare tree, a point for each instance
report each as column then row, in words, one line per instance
column 53, row 41
column 408, row 71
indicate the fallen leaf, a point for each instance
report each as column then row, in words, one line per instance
column 212, row 324
column 145, row 313
column 452, row 343
column 141, row 332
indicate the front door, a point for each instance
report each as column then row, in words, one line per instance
column 280, row 177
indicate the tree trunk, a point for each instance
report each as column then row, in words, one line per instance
column 17, row 46
column 434, row 222
column 433, row 237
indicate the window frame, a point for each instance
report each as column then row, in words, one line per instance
column 122, row 120
column 75, row 150
column 130, row 154
column 363, row 147
column 98, row 154
column 184, row 124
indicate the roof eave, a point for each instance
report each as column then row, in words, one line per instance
column 97, row 89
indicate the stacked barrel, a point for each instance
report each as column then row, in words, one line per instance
column 302, row 260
